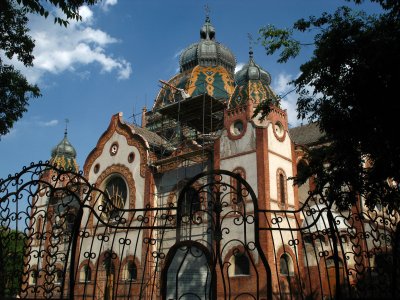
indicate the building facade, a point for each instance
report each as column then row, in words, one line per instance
column 148, row 230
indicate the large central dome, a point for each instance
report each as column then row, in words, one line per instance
column 206, row 67
column 207, row 52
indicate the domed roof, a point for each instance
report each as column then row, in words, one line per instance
column 64, row 155
column 215, row 81
column 252, row 85
column 64, row 148
column 207, row 52
column 252, row 71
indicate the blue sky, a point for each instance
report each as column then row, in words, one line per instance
column 111, row 62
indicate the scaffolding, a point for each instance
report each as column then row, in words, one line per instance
column 188, row 127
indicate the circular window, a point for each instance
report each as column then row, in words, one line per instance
column 131, row 157
column 237, row 128
column 114, row 149
column 278, row 127
column 96, row 168
column 115, row 198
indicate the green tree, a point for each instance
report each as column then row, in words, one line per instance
column 12, row 247
column 349, row 86
column 15, row 41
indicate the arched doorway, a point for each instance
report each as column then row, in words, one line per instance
column 188, row 273
column 216, row 215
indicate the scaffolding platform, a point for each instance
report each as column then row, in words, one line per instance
column 203, row 112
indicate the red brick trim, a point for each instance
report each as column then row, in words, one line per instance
column 217, row 154
column 239, row 154
column 280, row 155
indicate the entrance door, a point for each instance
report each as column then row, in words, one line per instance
column 188, row 275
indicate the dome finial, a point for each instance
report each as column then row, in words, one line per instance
column 207, row 12
column 207, row 32
column 250, row 38
column 66, row 128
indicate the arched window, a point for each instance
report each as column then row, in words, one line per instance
column 59, row 276
column 330, row 262
column 285, row 265
column 131, row 271
column 110, row 268
column 85, row 274
column 117, row 192
column 33, row 275
column 191, row 202
column 242, row 264
column 238, row 192
column 282, row 187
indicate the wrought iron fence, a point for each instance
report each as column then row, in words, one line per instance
column 63, row 238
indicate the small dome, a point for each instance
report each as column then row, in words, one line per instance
column 64, row 148
column 64, row 155
column 252, row 85
column 207, row 52
column 252, row 71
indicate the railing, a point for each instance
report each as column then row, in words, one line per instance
column 213, row 243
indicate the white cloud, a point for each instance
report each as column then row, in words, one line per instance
column 282, row 88
column 105, row 5
column 86, row 13
column 49, row 123
column 58, row 49
column 125, row 71
column 239, row 66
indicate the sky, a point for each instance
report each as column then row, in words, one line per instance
column 112, row 60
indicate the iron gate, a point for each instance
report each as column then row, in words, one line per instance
column 62, row 238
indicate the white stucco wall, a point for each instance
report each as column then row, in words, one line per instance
column 105, row 160
column 246, row 143
column 283, row 148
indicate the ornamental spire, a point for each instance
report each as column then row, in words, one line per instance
column 250, row 38
column 66, row 128
column 207, row 11
column 207, row 32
